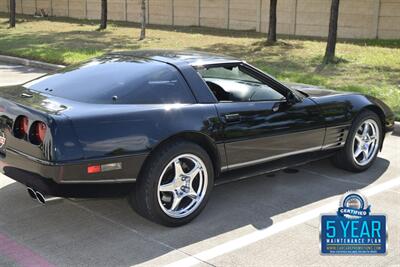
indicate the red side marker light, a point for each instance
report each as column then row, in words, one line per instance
column 104, row 167
column 94, row 169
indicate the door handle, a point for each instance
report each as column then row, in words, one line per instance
column 232, row 117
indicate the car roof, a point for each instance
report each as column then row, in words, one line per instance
column 194, row 58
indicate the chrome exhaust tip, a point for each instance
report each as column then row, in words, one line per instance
column 32, row 193
column 40, row 197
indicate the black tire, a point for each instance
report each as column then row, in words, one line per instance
column 144, row 198
column 344, row 158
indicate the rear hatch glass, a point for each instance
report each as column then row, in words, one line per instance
column 115, row 79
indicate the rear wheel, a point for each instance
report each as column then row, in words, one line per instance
column 175, row 184
column 362, row 145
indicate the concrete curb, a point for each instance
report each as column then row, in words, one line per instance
column 32, row 63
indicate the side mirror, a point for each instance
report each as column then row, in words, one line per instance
column 291, row 99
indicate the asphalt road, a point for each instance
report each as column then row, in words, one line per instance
column 269, row 220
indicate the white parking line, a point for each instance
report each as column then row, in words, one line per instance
column 258, row 235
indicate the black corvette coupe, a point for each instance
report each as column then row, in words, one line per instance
column 167, row 125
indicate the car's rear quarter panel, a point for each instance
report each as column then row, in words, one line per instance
column 117, row 130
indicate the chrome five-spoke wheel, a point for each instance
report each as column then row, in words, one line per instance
column 366, row 142
column 182, row 186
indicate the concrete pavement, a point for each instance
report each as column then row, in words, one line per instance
column 11, row 74
column 106, row 232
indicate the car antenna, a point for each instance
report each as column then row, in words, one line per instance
column 115, row 98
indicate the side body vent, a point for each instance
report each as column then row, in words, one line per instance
column 336, row 136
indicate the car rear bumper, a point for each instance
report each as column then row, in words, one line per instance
column 70, row 179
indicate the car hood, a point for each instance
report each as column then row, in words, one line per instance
column 313, row 90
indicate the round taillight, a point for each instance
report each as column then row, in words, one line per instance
column 38, row 132
column 21, row 127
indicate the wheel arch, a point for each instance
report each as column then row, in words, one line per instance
column 201, row 139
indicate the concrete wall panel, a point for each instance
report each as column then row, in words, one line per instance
column 4, row 5
column 389, row 19
column 160, row 12
column 133, row 10
column 213, row 13
column 93, row 9
column 357, row 19
column 77, row 9
column 186, row 12
column 29, row 6
column 61, row 8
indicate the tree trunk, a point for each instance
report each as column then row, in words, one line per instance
column 143, row 21
column 272, row 22
column 103, row 21
column 332, row 36
column 12, row 13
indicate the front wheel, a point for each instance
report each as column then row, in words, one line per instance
column 175, row 184
column 362, row 144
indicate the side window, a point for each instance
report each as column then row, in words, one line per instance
column 165, row 86
column 232, row 84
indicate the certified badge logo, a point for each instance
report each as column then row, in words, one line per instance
column 353, row 229
column 353, row 205
column 2, row 139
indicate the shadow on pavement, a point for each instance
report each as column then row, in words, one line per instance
column 106, row 232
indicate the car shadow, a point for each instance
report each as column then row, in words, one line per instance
column 106, row 232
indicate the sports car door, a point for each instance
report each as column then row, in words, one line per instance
column 260, row 123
